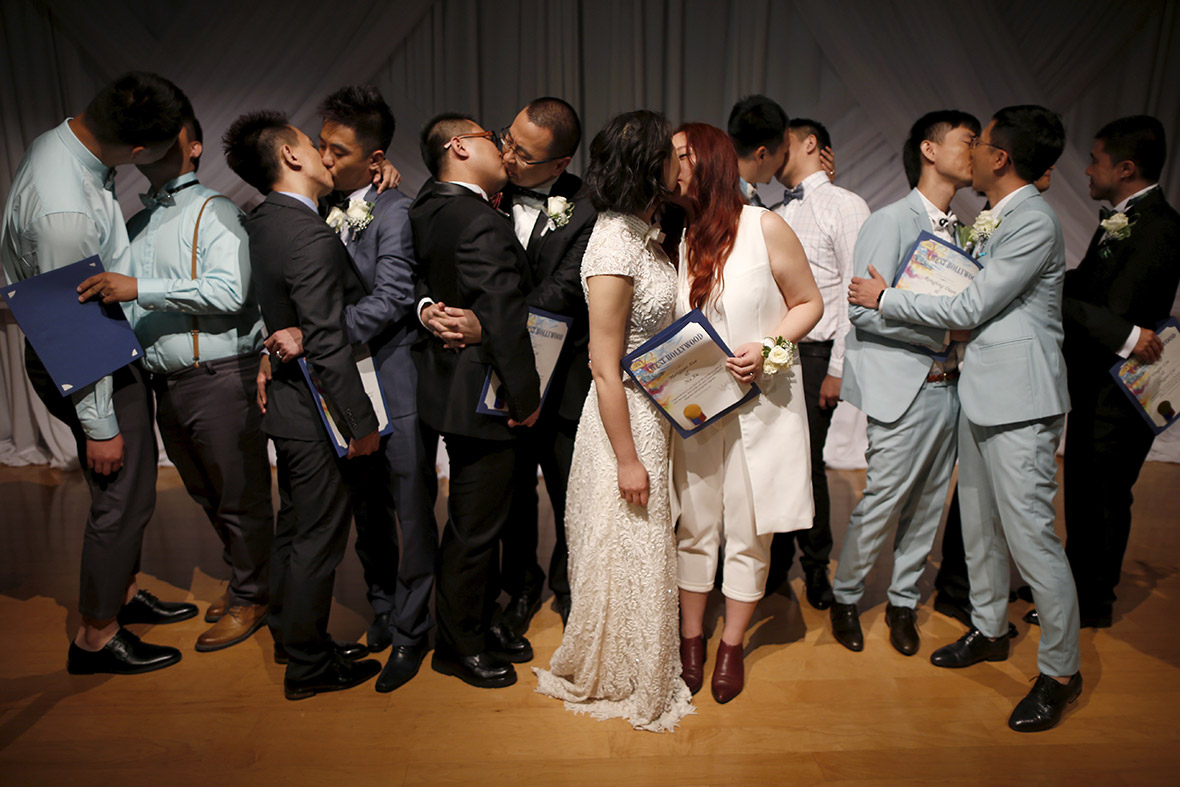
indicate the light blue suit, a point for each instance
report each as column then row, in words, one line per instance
column 1014, row 399
column 912, row 422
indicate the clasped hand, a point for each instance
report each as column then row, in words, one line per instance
column 867, row 292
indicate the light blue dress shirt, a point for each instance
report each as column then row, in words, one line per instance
column 161, row 260
column 62, row 209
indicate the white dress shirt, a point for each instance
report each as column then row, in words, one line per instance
column 827, row 220
column 525, row 210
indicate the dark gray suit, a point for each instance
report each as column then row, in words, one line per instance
column 383, row 254
column 303, row 277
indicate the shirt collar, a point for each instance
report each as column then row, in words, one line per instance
column 998, row 208
column 1122, row 206
column 813, row 182
column 933, row 211
column 301, row 198
column 746, row 186
column 81, row 152
column 472, row 187
column 360, row 193
column 171, row 185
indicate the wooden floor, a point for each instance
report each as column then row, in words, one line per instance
column 811, row 712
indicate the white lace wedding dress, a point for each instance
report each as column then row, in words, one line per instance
column 620, row 656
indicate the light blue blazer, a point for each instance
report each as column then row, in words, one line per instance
column 1013, row 370
column 883, row 369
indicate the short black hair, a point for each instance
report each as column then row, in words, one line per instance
column 628, row 160
column 754, row 122
column 1139, row 139
column 437, row 132
column 805, row 127
column 188, row 119
column 1033, row 137
column 559, row 119
column 138, row 109
column 932, row 126
column 362, row 109
column 252, row 147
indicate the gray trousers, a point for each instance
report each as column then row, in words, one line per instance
column 212, row 431
column 909, row 468
column 120, row 504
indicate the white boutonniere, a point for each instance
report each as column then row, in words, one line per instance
column 985, row 224
column 1115, row 227
column 777, row 354
column 559, row 210
column 357, row 215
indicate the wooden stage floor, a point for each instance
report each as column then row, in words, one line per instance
column 812, row 711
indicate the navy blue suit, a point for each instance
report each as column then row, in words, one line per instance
column 404, row 490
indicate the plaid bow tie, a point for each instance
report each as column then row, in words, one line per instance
column 790, row 194
column 157, row 199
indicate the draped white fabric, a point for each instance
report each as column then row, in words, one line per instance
column 866, row 69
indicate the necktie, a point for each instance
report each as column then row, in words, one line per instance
column 791, row 194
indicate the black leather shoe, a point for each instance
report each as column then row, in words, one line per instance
column 483, row 670
column 953, row 608
column 507, row 645
column 561, row 605
column 520, row 610
column 1085, row 621
column 971, row 648
column 846, row 626
column 819, row 588
column 1045, row 704
column 403, row 664
column 903, row 629
column 1032, row 618
column 124, row 654
column 340, row 675
column 380, row 634
column 146, row 608
column 349, row 651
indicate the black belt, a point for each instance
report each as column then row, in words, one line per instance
column 816, row 349
column 206, row 367
column 945, row 377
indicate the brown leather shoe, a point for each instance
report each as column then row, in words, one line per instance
column 237, row 625
column 729, row 674
column 217, row 609
column 692, row 662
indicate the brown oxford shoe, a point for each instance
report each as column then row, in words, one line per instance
column 692, row 662
column 218, row 608
column 238, row 624
column 729, row 674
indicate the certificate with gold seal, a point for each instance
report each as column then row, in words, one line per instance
column 682, row 370
column 1154, row 388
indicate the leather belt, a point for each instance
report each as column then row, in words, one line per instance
column 945, row 377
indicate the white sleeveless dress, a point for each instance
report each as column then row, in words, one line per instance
column 620, row 655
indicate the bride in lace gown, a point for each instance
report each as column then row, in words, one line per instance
column 619, row 657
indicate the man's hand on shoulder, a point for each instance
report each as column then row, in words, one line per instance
column 386, row 176
column 111, row 287
column 1149, row 348
column 867, row 292
column 105, row 457
column 363, row 446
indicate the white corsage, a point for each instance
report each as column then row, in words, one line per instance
column 777, row 354
column 985, row 224
column 357, row 215
column 559, row 210
column 1116, row 226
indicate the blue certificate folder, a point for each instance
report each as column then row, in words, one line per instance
column 330, row 416
column 688, row 388
column 77, row 342
column 547, row 333
column 935, row 267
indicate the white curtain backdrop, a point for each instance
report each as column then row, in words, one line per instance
column 866, row 69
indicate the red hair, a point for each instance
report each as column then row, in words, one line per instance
column 714, row 203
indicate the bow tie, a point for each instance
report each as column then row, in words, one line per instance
column 517, row 191
column 163, row 199
column 790, row 194
column 949, row 220
column 1105, row 213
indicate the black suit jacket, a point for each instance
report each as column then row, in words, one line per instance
column 304, row 277
column 1135, row 284
column 556, row 261
column 472, row 260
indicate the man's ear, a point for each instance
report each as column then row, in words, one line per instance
column 195, row 148
column 927, row 150
column 289, row 158
column 375, row 159
column 761, row 154
column 811, row 144
column 1126, row 169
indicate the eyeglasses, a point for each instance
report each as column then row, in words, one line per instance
column 977, row 141
column 509, row 146
column 491, row 136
